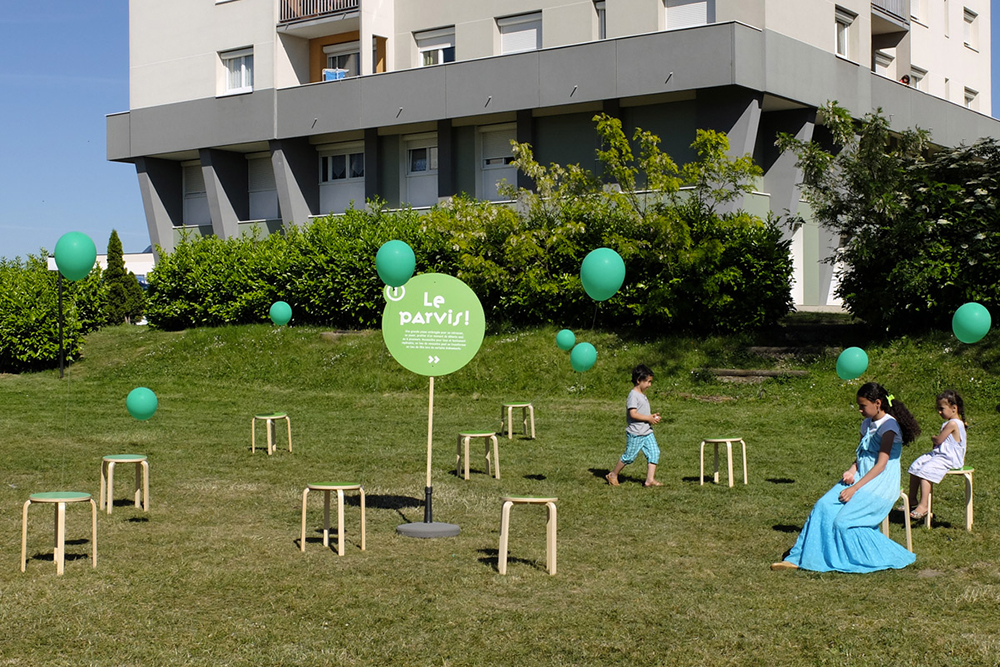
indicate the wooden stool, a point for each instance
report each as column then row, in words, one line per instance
column 966, row 472
column 906, row 520
column 729, row 451
column 60, row 500
column 550, row 529
column 108, row 479
column 269, row 419
column 463, row 440
column 507, row 414
column 326, row 488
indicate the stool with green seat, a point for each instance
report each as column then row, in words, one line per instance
column 966, row 472
column 59, row 499
column 108, row 479
column 487, row 436
column 729, row 452
column 269, row 419
column 326, row 488
column 507, row 415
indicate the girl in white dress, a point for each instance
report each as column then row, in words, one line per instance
column 948, row 452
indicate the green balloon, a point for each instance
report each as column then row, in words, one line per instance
column 141, row 403
column 75, row 255
column 583, row 357
column 971, row 322
column 602, row 273
column 280, row 313
column 851, row 363
column 565, row 340
column 395, row 263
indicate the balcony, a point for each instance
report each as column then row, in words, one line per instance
column 896, row 9
column 299, row 10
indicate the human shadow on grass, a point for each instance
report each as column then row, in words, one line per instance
column 491, row 558
column 602, row 473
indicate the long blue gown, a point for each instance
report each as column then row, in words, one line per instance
column 845, row 537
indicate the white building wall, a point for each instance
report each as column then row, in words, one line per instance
column 938, row 46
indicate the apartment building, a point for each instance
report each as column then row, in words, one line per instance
column 265, row 113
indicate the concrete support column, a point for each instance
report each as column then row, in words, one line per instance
column 296, row 175
column 735, row 111
column 161, row 185
column 373, row 180
column 228, row 188
column 446, row 158
column 525, row 135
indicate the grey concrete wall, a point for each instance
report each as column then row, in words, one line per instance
column 119, row 133
column 160, row 183
column 465, row 160
column 227, row 187
column 296, row 174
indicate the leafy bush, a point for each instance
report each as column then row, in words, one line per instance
column 29, row 316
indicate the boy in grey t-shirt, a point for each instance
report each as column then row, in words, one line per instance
column 638, row 430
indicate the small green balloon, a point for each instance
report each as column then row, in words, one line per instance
column 583, row 357
column 851, row 363
column 75, row 255
column 141, row 403
column 602, row 273
column 395, row 263
column 971, row 322
column 565, row 340
column 281, row 313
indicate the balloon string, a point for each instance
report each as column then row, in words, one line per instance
column 594, row 323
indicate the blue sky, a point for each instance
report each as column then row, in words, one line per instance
column 63, row 67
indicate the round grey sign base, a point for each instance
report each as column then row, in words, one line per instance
column 428, row 530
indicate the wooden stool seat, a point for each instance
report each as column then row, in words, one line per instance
column 269, row 420
column 550, row 529
column 729, row 452
column 906, row 521
column 966, row 472
column 326, row 488
column 108, row 479
column 527, row 414
column 60, row 499
column 488, row 436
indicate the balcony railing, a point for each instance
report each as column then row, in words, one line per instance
column 295, row 10
column 900, row 8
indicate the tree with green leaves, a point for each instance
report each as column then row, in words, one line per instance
column 125, row 299
column 918, row 223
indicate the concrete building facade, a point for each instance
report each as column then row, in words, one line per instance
column 265, row 113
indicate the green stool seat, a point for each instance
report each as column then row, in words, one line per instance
column 141, row 494
column 59, row 499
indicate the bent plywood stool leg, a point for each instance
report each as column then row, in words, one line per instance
column 906, row 521
column 550, row 529
column 507, row 418
column 327, row 488
column 269, row 421
column 728, row 442
column 59, row 499
column 966, row 472
column 464, row 438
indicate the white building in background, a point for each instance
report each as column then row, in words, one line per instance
column 264, row 113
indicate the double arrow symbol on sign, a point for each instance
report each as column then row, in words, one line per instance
column 433, row 360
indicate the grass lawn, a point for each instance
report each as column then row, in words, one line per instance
column 678, row 575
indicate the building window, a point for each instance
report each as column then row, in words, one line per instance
column 918, row 10
column 342, row 61
column 263, row 190
column 918, row 78
column 687, row 13
column 239, row 70
column 971, row 98
column 882, row 63
column 422, row 160
column 602, row 19
column 520, row 33
column 436, row 46
column 196, row 210
column 971, row 34
column 947, row 18
column 845, row 20
column 341, row 167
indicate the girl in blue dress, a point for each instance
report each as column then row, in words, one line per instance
column 842, row 531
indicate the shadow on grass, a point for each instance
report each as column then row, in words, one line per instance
column 780, row 480
column 601, row 474
column 786, row 528
column 537, row 478
column 491, row 557
column 138, row 519
column 349, row 544
column 384, row 502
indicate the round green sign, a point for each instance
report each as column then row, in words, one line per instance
column 433, row 325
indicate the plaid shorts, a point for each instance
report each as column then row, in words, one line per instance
column 644, row 443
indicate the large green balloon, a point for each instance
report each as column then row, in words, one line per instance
column 583, row 357
column 395, row 263
column 602, row 273
column 280, row 313
column 141, row 403
column 971, row 322
column 851, row 363
column 565, row 340
column 75, row 255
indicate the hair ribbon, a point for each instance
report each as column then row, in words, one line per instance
column 889, row 398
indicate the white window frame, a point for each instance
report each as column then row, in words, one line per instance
column 971, row 99
column 435, row 45
column 431, row 158
column 600, row 6
column 671, row 7
column 343, row 49
column 243, row 58
column 511, row 24
column 970, row 35
column 882, row 63
column 918, row 78
column 348, row 152
column 844, row 24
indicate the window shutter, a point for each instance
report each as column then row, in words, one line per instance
column 497, row 144
column 194, row 181
column 260, row 175
column 518, row 34
column 685, row 13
